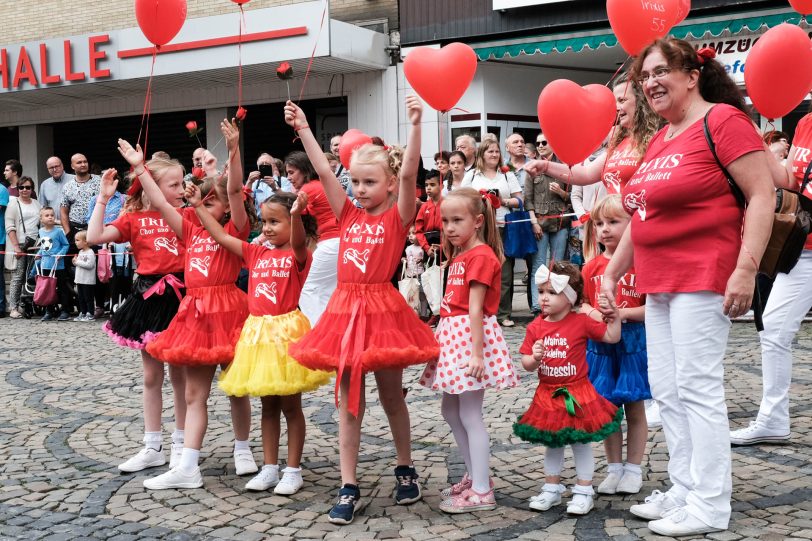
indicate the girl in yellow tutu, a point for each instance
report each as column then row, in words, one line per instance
column 261, row 365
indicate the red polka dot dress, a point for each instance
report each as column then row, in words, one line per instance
column 447, row 373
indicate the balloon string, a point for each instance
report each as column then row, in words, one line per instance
column 622, row 65
column 144, row 129
column 239, row 58
column 313, row 54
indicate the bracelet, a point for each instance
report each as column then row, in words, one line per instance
column 305, row 127
column 137, row 174
column 100, row 201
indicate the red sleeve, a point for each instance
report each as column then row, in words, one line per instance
column 249, row 253
column 530, row 338
column 480, row 269
column 594, row 329
column 420, row 228
column 586, row 273
column 232, row 230
column 733, row 134
column 124, row 225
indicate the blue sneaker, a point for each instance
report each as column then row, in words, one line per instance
column 343, row 512
column 47, row 317
column 408, row 489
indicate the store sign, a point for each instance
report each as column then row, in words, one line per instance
column 26, row 67
column 508, row 4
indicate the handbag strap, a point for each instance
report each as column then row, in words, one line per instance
column 803, row 183
column 22, row 218
column 737, row 192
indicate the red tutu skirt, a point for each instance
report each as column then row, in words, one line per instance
column 365, row 328
column 563, row 414
column 205, row 329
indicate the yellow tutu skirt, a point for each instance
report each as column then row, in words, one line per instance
column 262, row 366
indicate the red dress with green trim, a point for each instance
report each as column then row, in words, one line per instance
column 566, row 408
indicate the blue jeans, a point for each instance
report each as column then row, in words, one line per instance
column 551, row 246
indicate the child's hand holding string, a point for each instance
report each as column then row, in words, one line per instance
column 193, row 195
column 299, row 205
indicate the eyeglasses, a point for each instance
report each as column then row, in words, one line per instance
column 25, row 187
column 54, row 167
column 658, row 73
column 542, row 142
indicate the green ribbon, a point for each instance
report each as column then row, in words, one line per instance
column 569, row 400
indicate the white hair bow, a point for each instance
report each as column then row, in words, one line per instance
column 560, row 283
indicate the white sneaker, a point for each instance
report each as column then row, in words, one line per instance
column 680, row 522
column 267, row 477
column 755, row 433
column 175, row 454
column 655, row 506
column 175, row 478
column 80, row 317
column 145, row 458
column 581, row 503
column 290, row 483
column 609, row 485
column 630, row 483
column 244, row 462
column 653, row 414
column 550, row 495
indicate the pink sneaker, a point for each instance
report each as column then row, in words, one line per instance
column 458, row 488
column 469, row 501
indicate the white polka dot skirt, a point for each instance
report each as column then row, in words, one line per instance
column 447, row 373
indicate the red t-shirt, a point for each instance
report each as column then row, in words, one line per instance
column 620, row 166
column 371, row 246
column 156, row 247
column 803, row 155
column 686, row 224
column 208, row 263
column 626, row 295
column 479, row 264
column 428, row 219
column 564, row 358
column 319, row 207
column 274, row 279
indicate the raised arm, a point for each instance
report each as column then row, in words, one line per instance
column 783, row 175
column 135, row 157
column 295, row 118
column 411, row 162
column 298, row 237
column 578, row 175
column 97, row 233
column 232, row 244
column 231, row 133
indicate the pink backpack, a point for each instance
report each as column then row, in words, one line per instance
column 104, row 265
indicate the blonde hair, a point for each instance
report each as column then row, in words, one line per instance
column 80, row 235
column 487, row 142
column 390, row 158
column 476, row 204
column 645, row 123
column 157, row 169
column 610, row 206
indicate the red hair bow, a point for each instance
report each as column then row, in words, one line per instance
column 247, row 193
column 492, row 197
column 705, row 53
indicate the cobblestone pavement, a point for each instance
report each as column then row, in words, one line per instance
column 71, row 412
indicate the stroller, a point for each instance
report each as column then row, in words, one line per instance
column 29, row 286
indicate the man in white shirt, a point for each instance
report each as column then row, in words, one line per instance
column 50, row 189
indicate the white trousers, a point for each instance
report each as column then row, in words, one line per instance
column 321, row 281
column 686, row 336
column 789, row 301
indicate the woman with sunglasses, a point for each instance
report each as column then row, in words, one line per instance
column 22, row 226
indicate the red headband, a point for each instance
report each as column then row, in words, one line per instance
column 704, row 54
column 492, row 197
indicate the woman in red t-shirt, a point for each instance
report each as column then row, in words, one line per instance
column 322, row 280
column 155, row 298
column 696, row 265
column 789, row 301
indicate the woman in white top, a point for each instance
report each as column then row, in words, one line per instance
column 22, row 222
column 488, row 174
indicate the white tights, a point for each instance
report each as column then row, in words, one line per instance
column 463, row 413
column 584, row 462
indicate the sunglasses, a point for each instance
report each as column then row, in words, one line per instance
column 25, row 187
column 541, row 142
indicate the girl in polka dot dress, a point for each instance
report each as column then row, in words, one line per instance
column 473, row 352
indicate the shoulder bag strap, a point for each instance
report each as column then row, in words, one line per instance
column 806, row 177
column 737, row 192
column 25, row 233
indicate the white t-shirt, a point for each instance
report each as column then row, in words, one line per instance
column 505, row 183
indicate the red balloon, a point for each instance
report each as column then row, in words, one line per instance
column 575, row 119
column 240, row 2
column 636, row 23
column 441, row 76
column 682, row 12
column 804, row 7
column 160, row 20
column 350, row 140
column 775, row 89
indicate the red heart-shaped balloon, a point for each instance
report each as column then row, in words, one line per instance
column 683, row 10
column 160, row 20
column 350, row 140
column 774, row 89
column 804, row 7
column 636, row 23
column 575, row 119
column 441, row 76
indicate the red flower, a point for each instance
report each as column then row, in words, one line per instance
column 504, row 169
column 191, row 126
column 284, row 71
column 241, row 112
column 198, row 173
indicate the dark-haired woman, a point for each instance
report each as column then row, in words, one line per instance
column 322, row 279
column 456, row 171
column 22, row 227
column 697, row 266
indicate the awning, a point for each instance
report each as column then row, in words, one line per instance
column 562, row 44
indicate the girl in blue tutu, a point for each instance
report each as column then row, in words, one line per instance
column 618, row 371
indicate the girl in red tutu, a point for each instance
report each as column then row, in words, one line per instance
column 367, row 325
column 155, row 298
column 262, row 366
column 566, row 409
column 473, row 353
column 205, row 330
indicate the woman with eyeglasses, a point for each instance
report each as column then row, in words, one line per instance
column 696, row 262
column 22, row 227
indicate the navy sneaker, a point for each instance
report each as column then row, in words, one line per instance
column 349, row 499
column 63, row 316
column 47, row 317
column 408, row 489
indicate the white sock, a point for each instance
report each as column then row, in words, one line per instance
column 152, row 440
column 177, row 437
column 616, row 467
column 188, row 460
column 240, row 445
column 292, row 470
column 633, row 468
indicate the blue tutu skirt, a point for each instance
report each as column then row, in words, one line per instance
column 619, row 372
